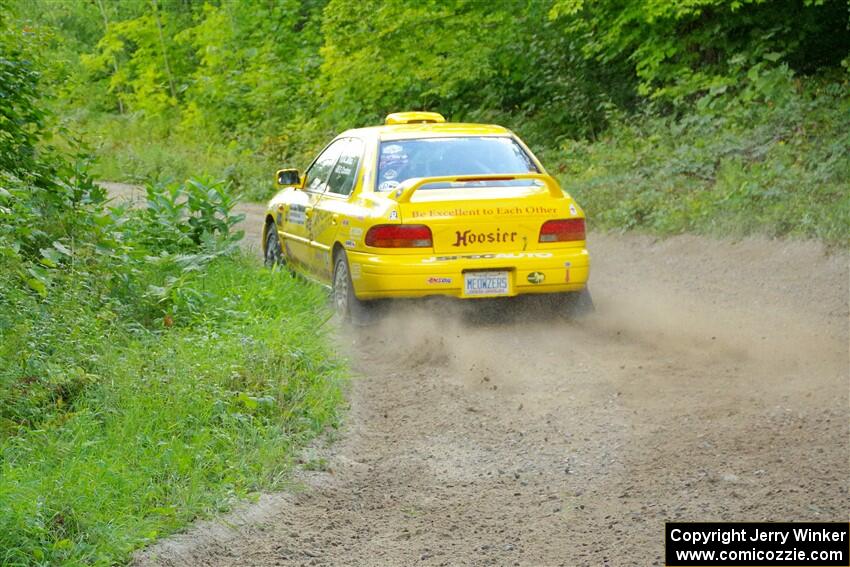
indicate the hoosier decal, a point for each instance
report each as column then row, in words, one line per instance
column 468, row 237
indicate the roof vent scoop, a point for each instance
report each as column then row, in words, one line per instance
column 414, row 118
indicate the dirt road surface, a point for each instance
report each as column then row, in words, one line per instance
column 712, row 384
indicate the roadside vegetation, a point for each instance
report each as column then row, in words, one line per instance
column 772, row 160
column 664, row 116
column 150, row 372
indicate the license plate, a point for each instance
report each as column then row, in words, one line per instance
column 485, row 283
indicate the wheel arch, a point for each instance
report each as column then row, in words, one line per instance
column 337, row 248
column 269, row 222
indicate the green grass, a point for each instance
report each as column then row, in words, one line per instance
column 172, row 424
column 133, row 149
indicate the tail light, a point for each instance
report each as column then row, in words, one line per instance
column 399, row 236
column 564, row 230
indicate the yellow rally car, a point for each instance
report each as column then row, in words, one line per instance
column 420, row 207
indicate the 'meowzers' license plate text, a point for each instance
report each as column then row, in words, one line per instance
column 485, row 283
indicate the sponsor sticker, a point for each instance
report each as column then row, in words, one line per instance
column 296, row 214
column 393, row 215
column 390, row 174
column 434, row 280
column 349, row 244
column 356, row 232
column 536, row 277
column 502, row 256
column 387, row 185
column 573, row 210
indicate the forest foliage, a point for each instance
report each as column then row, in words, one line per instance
column 274, row 79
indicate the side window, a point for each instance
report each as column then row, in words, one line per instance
column 344, row 175
column 317, row 175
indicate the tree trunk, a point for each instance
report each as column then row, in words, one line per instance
column 164, row 50
column 114, row 58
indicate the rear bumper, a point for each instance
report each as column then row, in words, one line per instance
column 377, row 276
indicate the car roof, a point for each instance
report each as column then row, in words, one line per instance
column 427, row 130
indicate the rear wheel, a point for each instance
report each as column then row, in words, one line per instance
column 273, row 255
column 578, row 304
column 345, row 301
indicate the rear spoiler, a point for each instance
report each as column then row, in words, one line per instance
column 406, row 190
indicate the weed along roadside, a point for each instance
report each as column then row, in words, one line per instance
column 152, row 373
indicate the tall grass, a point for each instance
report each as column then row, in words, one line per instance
column 173, row 423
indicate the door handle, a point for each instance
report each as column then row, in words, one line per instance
column 308, row 212
column 334, row 219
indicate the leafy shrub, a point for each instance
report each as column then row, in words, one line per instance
column 771, row 159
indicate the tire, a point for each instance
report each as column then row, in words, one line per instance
column 345, row 302
column 578, row 304
column 273, row 255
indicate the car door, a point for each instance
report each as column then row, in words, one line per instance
column 332, row 209
column 297, row 218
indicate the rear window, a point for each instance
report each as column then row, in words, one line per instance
column 401, row 160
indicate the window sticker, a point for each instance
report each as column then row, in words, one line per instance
column 388, row 185
column 296, row 214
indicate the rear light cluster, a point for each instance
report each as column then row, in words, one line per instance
column 565, row 230
column 399, row 236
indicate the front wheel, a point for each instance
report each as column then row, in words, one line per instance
column 346, row 304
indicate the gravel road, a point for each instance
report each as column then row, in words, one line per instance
column 712, row 384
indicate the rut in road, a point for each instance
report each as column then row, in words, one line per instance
column 712, row 384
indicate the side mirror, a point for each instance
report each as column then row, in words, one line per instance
column 288, row 178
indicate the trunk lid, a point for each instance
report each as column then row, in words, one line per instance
column 485, row 218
